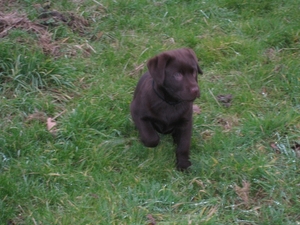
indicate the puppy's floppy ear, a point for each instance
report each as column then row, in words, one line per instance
column 196, row 60
column 156, row 67
column 199, row 69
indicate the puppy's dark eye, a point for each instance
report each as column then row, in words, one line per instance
column 178, row 76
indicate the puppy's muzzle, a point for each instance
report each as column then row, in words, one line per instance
column 195, row 92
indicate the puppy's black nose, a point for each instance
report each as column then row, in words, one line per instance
column 195, row 91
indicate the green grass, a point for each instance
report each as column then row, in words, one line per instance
column 94, row 170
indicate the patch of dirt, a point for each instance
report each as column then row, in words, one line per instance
column 37, row 116
column 228, row 122
column 15, row 20
column 6, row 4
column 54, row 18
column 207, row 134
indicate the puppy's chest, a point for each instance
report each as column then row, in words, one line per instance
column 166, row 128
column 165, row 120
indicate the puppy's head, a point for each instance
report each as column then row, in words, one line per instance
column 176, row 72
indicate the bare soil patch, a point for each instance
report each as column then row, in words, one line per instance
column 15, row 20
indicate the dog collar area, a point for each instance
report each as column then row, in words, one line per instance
column 162, row 98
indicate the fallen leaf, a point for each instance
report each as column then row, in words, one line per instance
column 152, row 221
column 50, row 124
column 243, row 192
column 296, row 148
column 275, row 147
column 225, row 99
column 196, row 109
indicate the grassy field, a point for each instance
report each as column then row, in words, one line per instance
column 74, row 64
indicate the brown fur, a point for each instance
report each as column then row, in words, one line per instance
column 163, row 101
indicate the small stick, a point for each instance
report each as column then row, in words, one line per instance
column 58, row 115
column 214, row 97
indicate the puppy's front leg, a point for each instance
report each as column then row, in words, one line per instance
column 148, row 134
column 182, row 137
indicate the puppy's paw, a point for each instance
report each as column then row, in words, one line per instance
column 183, row 164
column 151, row 142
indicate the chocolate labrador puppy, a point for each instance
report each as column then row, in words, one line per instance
column 163, row 101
